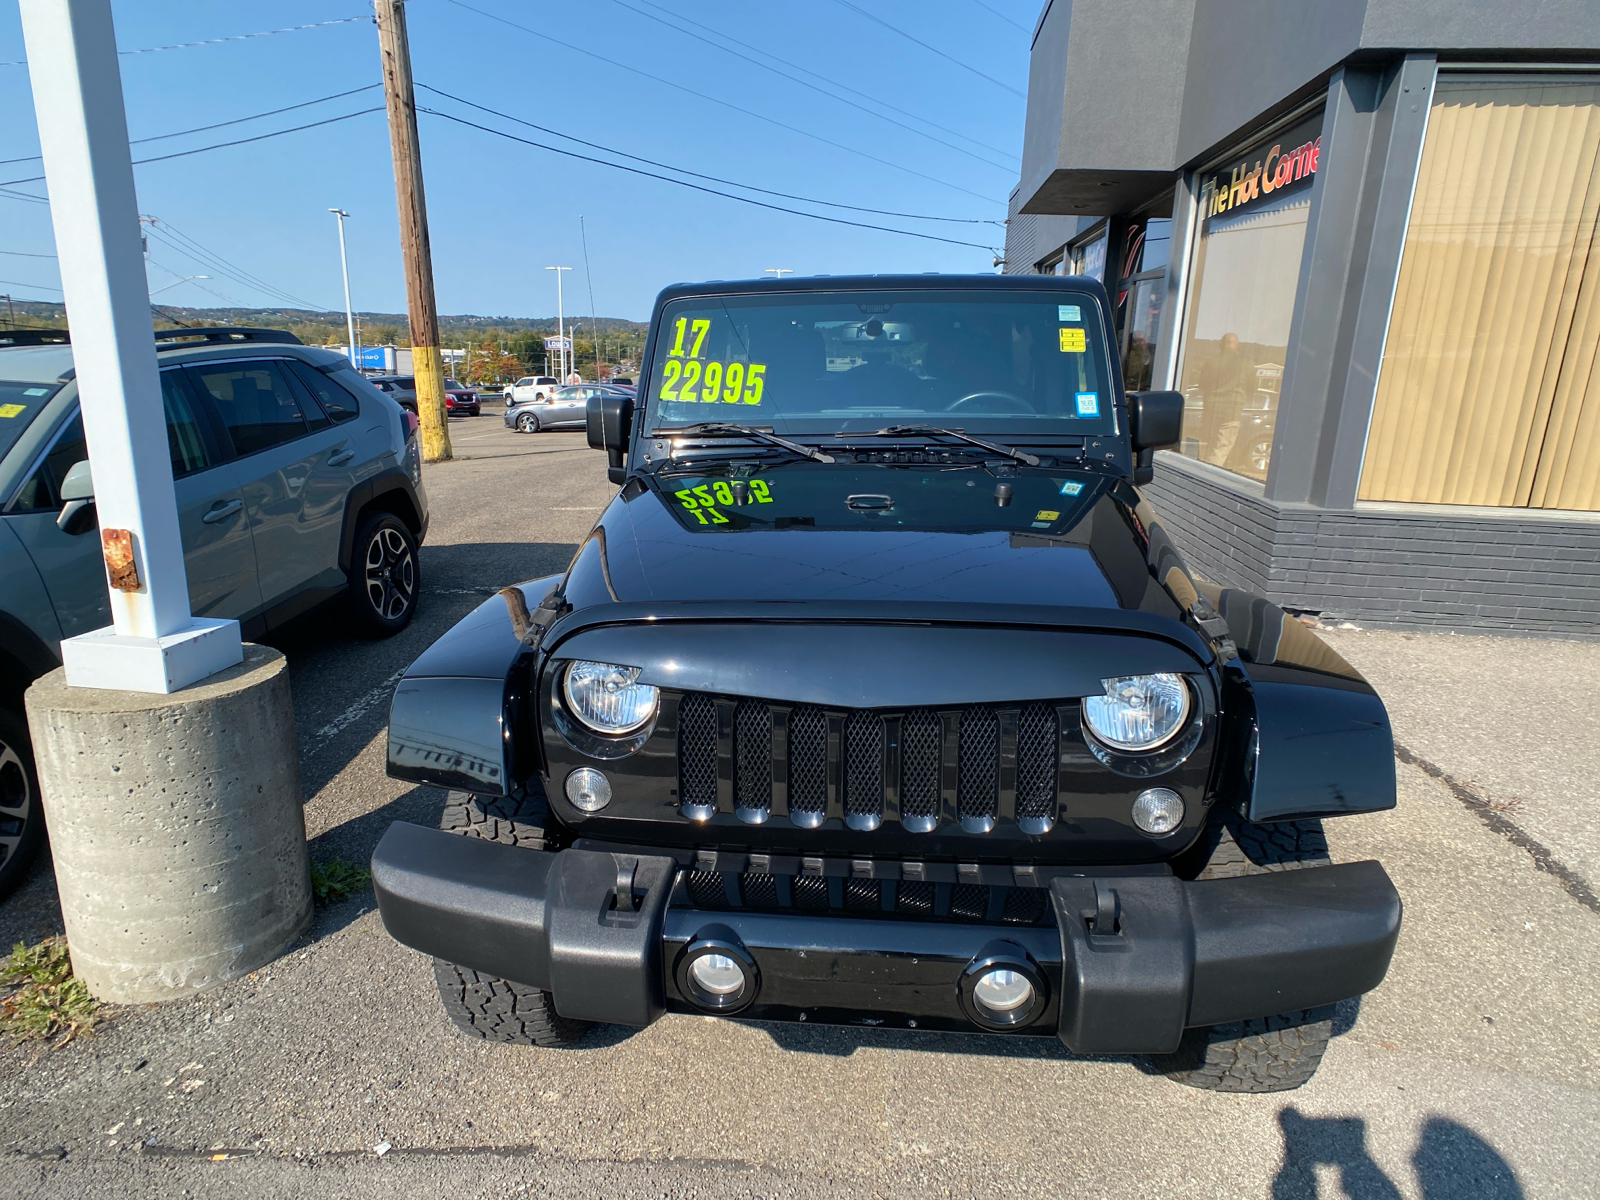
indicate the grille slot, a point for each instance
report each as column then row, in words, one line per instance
column 752, row 761
column 759, row 891
column 969, row 901
column 978, row 784
column 808, row 766
column 697, row 756
column 705, row 889
column 919, row 771
column 1024, row 906
column 1036, row 768
column 863, row 758
column 862, row 895
column 914, row 898
column 810, row 891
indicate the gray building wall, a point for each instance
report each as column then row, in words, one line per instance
column 1029, row 238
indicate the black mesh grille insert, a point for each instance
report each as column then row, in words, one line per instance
column 808, row 761
column 1036, row 761
column 759, row 891
column 705, row 889
column 863, row 764
column 752, row 755
column 1024, row 906
column 978, row 789
column 969, row 901
column 919, row 764
column 915, row 898
column 862, row 895
column 810, row 891
column 697, row 750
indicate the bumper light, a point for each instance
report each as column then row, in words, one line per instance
column 588, row 789
column 1138, row 712
column 1158, row 810
column 1002, row 988
column 715, row 972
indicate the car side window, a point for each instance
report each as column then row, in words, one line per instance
column 184, row 439
column 339, row 404
column 255, row 401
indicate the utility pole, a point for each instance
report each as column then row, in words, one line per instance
column 395, row 51
column 594, row 319
column 561, row 324
column 344, row 265
column 11, row 310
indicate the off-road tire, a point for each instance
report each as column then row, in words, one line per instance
column 385, row 575
column 21, row 817
column 485, row 1006
column 1266, row 1054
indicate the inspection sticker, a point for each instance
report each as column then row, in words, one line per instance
column 1088, row 404
column 1068, row 312
column 1071, row 487
column 11, row 410
column 1072, row 340
column 1047, row 514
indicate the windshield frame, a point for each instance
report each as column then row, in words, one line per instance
column 823, row 290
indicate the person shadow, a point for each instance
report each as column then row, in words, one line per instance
column 1450, row 1161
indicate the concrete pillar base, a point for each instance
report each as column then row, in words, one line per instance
column 175, row 825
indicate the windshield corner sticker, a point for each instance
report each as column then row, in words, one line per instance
column 1069, row 312
column 1073, row 340
column 1071, row 487
column 1088, row 403
column 11, row 410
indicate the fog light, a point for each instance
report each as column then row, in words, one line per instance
column 588, row 789
column 1158, row 810
column 1003, row 990
column 717, row 974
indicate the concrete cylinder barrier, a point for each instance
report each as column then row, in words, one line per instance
column 176, row 827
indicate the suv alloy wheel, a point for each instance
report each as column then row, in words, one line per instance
column 385, row 575
column 21, row 819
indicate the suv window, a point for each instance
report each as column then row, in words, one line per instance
column 20, row 402
column 338, row 403
column 255, row 401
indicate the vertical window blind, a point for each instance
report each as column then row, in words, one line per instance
column 1489, row 392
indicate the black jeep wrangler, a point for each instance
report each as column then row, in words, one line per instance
column 878, row 696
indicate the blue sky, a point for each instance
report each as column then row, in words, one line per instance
column 500, row 211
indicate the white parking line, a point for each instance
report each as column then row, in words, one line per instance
column 353, row 714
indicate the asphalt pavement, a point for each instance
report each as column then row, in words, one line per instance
column 1471, row 1072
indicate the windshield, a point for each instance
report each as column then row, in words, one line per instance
column 983, row 361
column 19, row 404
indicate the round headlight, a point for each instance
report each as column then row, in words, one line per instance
column 605, row 697
column 1138, row 712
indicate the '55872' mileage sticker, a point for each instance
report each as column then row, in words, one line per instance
column 685, row 377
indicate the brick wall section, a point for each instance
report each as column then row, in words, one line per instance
column 1403, row 568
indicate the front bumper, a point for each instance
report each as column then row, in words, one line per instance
column 1131, row 961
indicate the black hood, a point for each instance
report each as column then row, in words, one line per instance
column 1064, row 537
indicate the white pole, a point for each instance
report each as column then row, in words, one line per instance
column 153, row 644
column 344, row 265
column 561, row 324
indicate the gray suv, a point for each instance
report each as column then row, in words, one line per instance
column 297, row 483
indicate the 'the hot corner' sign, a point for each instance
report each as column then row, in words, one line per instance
column 1286, row 160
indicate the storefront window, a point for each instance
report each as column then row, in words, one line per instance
column 1242, row 279
column 1489, row 391
column 1141, row 295
column 1089, row 257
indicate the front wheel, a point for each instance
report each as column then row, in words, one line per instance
column 385, row 575
column 21, row 818
column 527, row 423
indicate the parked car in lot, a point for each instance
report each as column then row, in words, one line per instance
column 565, row 408
column 402, row 389
column 879, row 696
column 531, row 387
column 297, row 483
column 460, row 400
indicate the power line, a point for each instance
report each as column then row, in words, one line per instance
column 830, row 81
column 40, row 287
column 724, row 103
column 26, row 254
column 1002, row 16
column 189, row 248
column 931, row 49
column 749, row 187
column 237, row 37
column 803, row 83
column 697, row 187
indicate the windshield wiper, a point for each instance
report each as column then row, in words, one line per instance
column 1021, row 456
column 719, row 428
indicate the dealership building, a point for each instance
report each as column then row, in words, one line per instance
column 1360, row 236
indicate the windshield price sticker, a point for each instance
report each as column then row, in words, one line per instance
column 685, row 377
column 1073, row 341
column 702, row 499
column 11, row 410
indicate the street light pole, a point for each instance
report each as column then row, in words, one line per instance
column 561, row 323
column 780, row 272
column 344, row 265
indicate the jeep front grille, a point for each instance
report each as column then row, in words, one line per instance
column 922, row 768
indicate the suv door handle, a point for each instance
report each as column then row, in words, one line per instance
column 339, row 457
column 223, row 513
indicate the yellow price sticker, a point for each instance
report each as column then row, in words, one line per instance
column 1047, row 514
column 710, row 382
column 11, row 410
column 1073, row 341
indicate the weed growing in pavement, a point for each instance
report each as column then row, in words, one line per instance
column 43, row 999
column 334, row 880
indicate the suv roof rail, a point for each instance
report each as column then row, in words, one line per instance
column 34, row 337
column 224, row 334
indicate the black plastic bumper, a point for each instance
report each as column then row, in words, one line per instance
column 1130, row 962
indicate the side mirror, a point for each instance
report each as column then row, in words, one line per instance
column 77, row 500
column 1157, row 422
column 607, row 421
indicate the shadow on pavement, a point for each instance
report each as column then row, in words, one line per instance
column 841, row 1041
column 1450, row 1160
